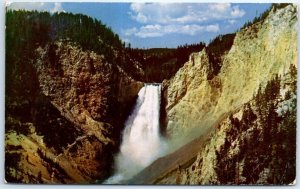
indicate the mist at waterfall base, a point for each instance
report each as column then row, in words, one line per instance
column 141, row 140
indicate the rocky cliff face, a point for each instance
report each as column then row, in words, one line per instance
column 255, row 144
column 73, row 119
column 243, row 119
column 258, row 53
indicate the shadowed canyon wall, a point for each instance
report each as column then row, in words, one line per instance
column 72, row 121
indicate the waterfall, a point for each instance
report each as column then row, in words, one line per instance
column 141, row 141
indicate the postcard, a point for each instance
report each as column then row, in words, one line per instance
column 161, row 93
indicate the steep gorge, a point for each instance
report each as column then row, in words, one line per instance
column 201, row 109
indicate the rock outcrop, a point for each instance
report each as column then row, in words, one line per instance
column 255, row 144
column 73, row 122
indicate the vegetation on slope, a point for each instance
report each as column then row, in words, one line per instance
column 263, row 16
column 216, row 49
column 162, row 63
column 29, row 113
column 28, row 30
column 266, row 136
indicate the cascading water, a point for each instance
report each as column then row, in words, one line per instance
column 141, row 141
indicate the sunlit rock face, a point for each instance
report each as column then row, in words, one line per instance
column 243, row 116
column 258, row 53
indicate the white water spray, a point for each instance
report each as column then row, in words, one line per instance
column 141, row 141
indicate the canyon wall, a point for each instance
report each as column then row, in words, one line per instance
column 70, row 125
column 258, row 53
column 243, row 120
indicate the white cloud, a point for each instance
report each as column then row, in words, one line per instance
column 158, row 30
column 57, row 8
column 159, row 19
column 232, row 21
column 149, row 31
column 39, row 6
column 237, row 12
column 220, row 7
column 130, row 31
column 183, row 13
column 213, row 28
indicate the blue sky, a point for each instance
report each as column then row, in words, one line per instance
column 148, row 25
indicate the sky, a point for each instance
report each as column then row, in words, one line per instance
column 149, row 25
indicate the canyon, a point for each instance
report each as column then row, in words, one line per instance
column 67, row 109
column 206, row 110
